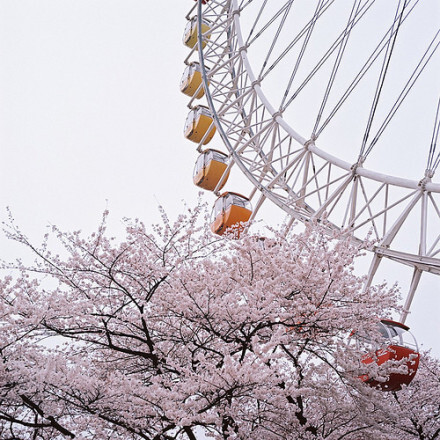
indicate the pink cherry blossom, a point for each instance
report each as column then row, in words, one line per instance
column 174, row 333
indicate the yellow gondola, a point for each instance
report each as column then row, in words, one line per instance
column 199, row 123
column 209, row 169
column 191, row 82
column 190, row 34
column 230, row 211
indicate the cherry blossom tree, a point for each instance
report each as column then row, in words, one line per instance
column 418, row 406
column 177, row 334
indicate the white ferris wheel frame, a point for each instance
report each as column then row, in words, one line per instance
column 254, row 132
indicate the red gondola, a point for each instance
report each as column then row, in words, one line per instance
column 400, row 346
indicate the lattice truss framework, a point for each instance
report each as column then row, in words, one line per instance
column 305, row 181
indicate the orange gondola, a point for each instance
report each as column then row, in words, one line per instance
column 210, row 167
column 191, row 82
column 199, row 125
column 230, row 211
column 400, row 346
column 191, row 31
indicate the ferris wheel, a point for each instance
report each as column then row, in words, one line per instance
column 331, row 110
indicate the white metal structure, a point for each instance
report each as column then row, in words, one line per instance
column 331, row 109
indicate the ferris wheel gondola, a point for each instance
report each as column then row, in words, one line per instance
column 199, row 125
column 191, row 82
column 210, row 170
column 191, row 30
column 398, row 346
column 230, row 213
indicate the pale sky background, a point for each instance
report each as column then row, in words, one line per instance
column 91, row 117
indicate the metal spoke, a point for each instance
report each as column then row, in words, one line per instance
column 253, row 52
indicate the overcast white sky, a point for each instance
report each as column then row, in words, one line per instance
column 91, row 111
column 91, row 117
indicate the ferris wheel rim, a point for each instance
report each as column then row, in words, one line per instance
column 309, row 143
column 420, row 189
column 357, row 169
